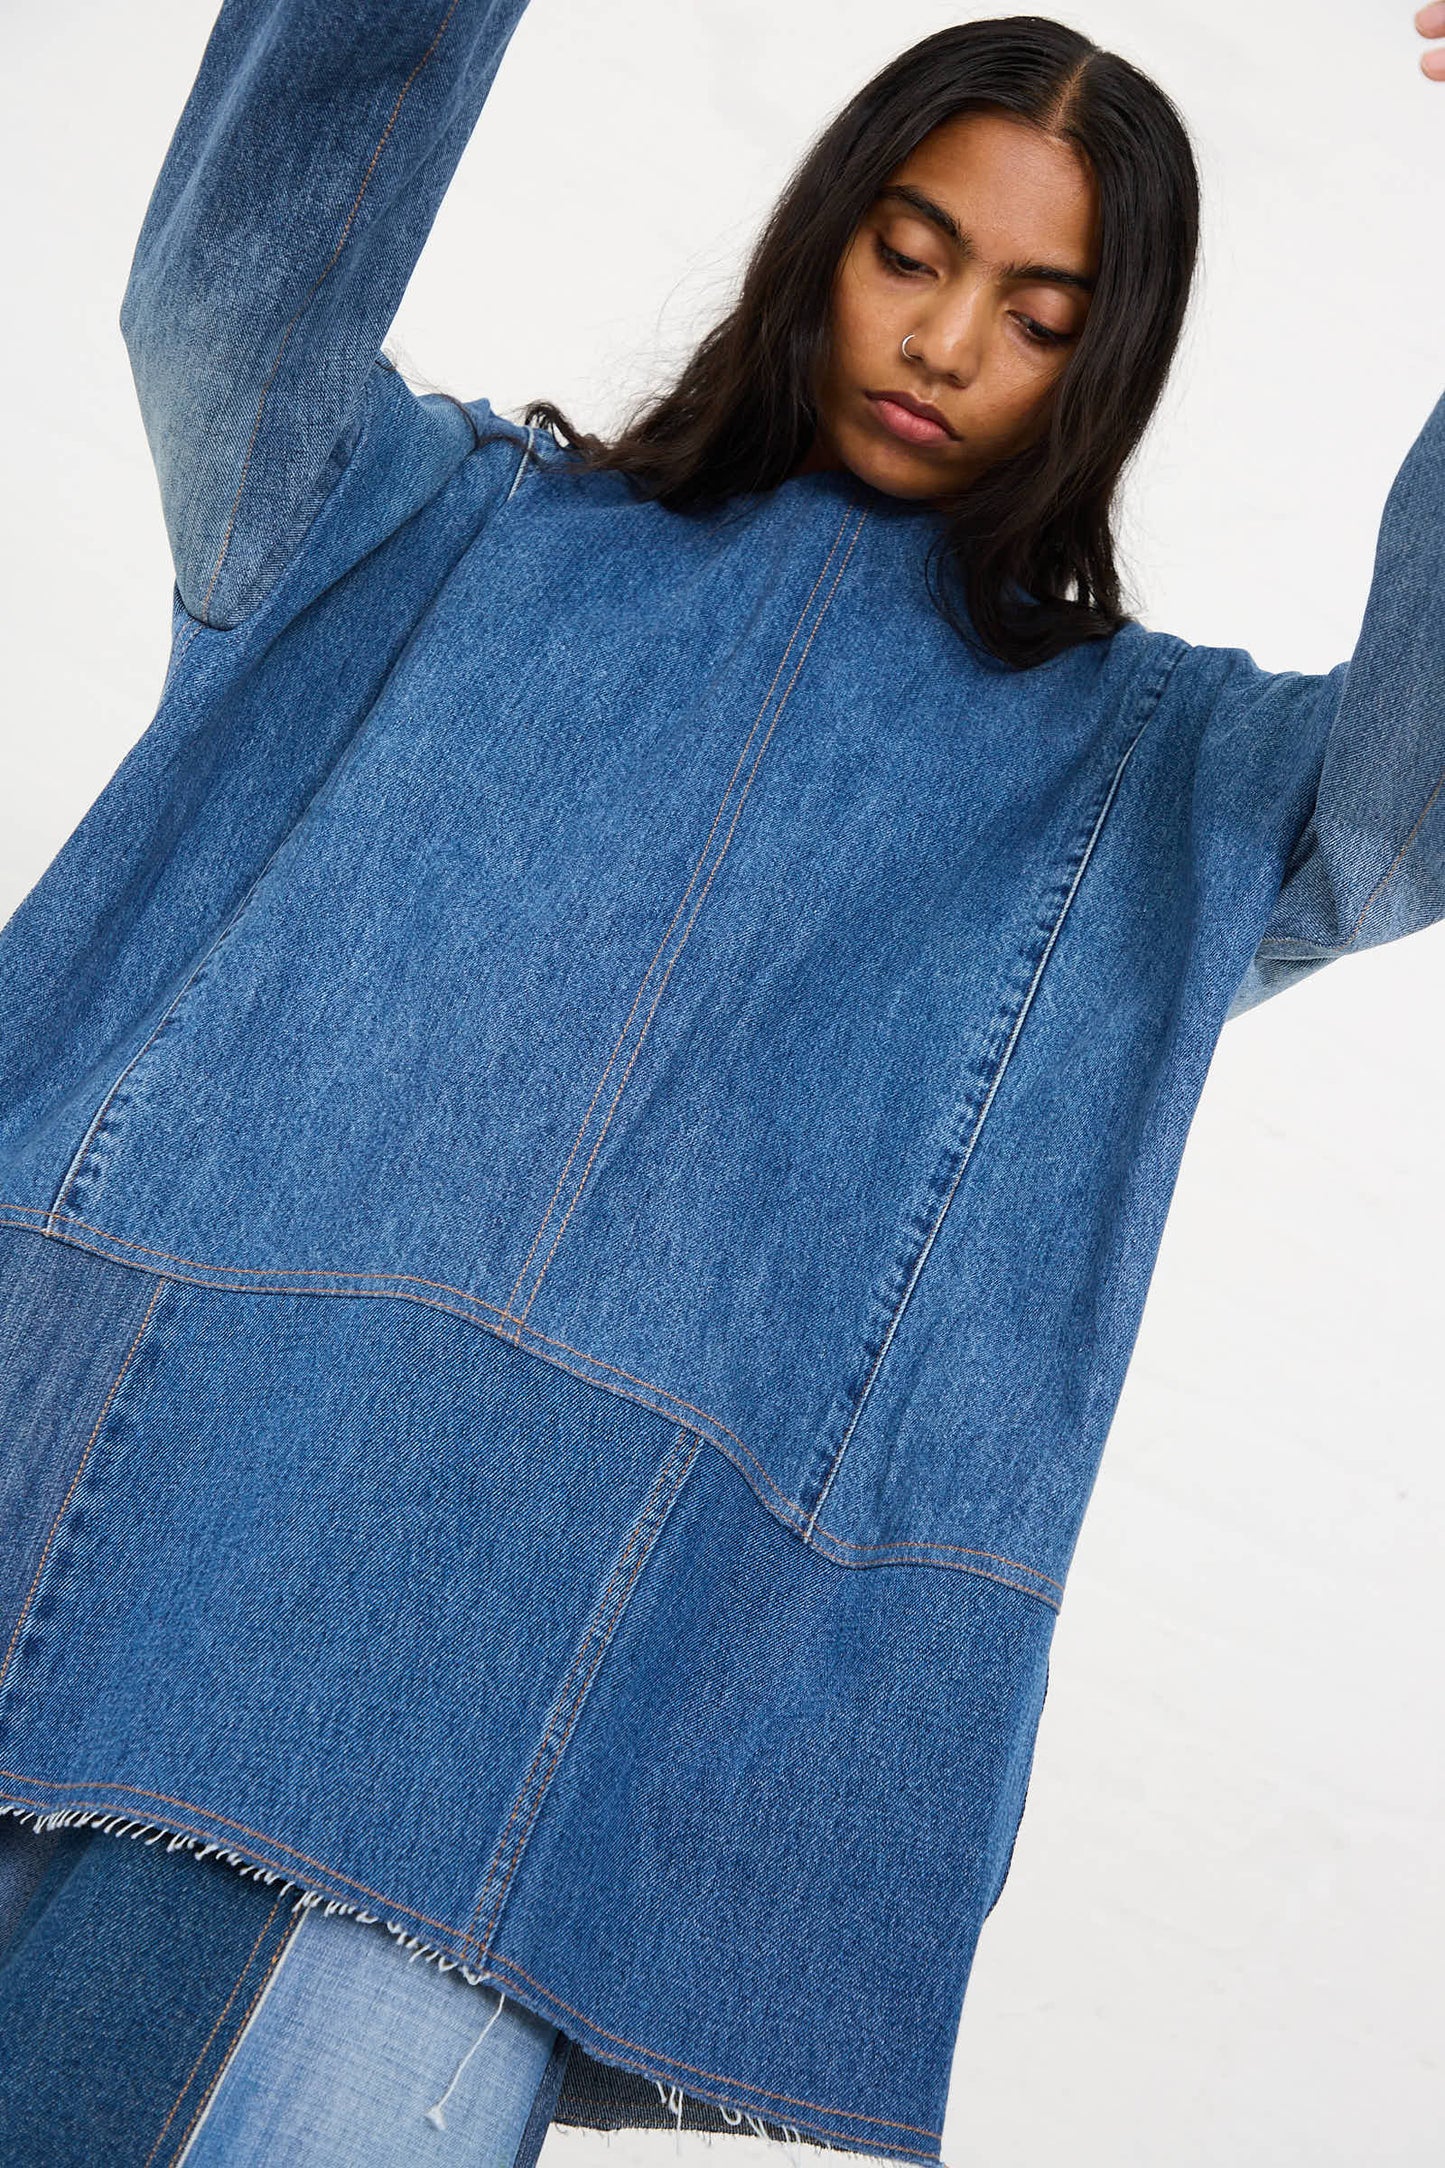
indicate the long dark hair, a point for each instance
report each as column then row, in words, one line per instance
column 1028, row 550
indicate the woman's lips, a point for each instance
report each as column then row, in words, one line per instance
column 906, row 422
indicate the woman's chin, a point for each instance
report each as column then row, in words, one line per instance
column 897, row 469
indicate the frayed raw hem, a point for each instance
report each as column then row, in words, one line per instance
column 678, row 2110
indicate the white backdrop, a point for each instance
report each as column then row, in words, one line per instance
column 1220, row 1942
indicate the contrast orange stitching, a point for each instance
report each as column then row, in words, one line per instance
column 1000, row 1070
column 714, row 2076
column 115, row 1386
column 309, row 298
column 206, row 1264
column 579, row 1657
column 550, row 1340
column 303, row 1272
column 681, row 903
column 907, row 1543
column 208, row 1828
column 220, row 2021
column 493, row 1962
column 710, row 1426
column 981, row 1573
column 282, row 1946
column 649, row 1521
column 72, row 1172
column 692, row 920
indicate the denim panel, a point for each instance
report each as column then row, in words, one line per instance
column 831, row 1036
column 1369, row 864
column 67, row 1326
column 329, row 1567
column 25, row 1857
column 737, row 1709
column 154, row 2007
column 122, row 1996
column 303, row 177
column 798, row 1778
column 557, row 1143
column 360, row 2058
column 544, row 2103
column 1012, row 1343
column 461, row 920
column 160, row 865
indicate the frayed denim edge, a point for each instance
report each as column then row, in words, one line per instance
column 674, row 2099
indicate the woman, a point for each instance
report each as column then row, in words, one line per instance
column 588, row 1115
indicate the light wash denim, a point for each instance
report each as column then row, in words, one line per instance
column 360, row 2057
column 153, row 2016
column 585, row 1122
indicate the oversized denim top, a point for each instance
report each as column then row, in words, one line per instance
column 586, row 1121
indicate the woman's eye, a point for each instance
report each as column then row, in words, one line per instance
column 1041, row 334
column 896, row 260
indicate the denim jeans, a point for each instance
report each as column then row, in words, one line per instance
column 157, row 2011
column 360, row 2057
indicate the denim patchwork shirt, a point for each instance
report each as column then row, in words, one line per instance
column 585, row 1124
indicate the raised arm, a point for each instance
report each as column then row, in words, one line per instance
column 1348, row 768
column 1368, row 861
column 301, row 182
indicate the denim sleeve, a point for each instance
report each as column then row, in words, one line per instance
column 302, row 179
column 1366, row 862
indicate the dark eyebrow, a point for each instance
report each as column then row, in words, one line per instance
column 1045, row 274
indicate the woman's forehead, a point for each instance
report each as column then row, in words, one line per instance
column 1009, row 191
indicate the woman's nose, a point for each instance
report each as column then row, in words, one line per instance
column 950, row 344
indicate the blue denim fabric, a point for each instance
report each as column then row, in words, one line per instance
column 125, row 1986
column 25, row 1857
column 585, row 1125
column 358, row 2057
column 153, row 2013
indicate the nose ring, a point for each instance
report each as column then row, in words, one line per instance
column 908, row 356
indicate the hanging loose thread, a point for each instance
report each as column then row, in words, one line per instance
column 434, row 2114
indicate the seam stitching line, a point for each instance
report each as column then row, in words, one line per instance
column 789, row 2099
column 494, row 1962
column 283, row 1944
column 26, row 1216
column 97, row 1120
column 769, row 1494
column 691, row 921
column 190, row 2076
column 64, row 1507
column 183, row 647
column 599, row 1631
column 307, row 300
column 1394, row 866
column 680, row 906
column 999, row 1072
column 559, row 1707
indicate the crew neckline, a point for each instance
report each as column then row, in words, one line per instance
column 844, row 486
